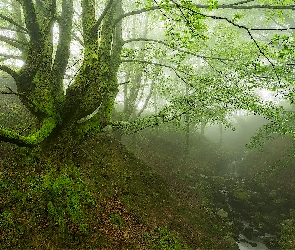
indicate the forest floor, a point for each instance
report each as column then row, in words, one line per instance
column 106, row 198
column 258, row 201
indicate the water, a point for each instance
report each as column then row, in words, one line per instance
column 246, row 244
column 255, row 243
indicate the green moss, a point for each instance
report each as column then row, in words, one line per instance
column 117, row 220
column 287, row 237
column 163, row 239
column 45, row 130
column 41, row 98
column 64, row 196
column 49, row 200
column 242, row 194
column 35, row 138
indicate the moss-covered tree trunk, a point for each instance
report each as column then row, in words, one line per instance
column 88, row 102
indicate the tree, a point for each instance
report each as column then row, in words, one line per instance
column 204, row 60
column 88, row 102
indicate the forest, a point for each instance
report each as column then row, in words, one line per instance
column 153, row 124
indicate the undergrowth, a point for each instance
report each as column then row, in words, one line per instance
column 50, row 208
column 49, row 200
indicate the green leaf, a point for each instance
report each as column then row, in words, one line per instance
column 212, row 4
column 237, row 17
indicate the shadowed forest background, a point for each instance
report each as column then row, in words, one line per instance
column 147, row 124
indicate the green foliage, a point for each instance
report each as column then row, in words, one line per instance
column 65, row 196
column 212, row 4
column 117, row 220
column 207, row 57
column 164, row 239
column 56, row 202
column 287, row 237
column 242, row 194
column 147, row 4
column 237, row 17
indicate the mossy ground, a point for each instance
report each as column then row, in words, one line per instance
column 105, row 198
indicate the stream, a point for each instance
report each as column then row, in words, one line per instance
column 256, row 242
column 244, row 243
column 248, row 236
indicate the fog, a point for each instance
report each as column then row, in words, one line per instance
column 245, row 183
column 196, row 96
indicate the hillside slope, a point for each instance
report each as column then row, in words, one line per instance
column 105, row 199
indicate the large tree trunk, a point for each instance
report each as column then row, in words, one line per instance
column 89, row 101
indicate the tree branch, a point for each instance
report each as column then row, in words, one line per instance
column 9, row 71
column 6, row 57
column 180, row 50
column 31, row 22
column 11, row 92
column 175, row 5
column 105, row 11
column 241, row 2
column 164, row 116
column 146, row 100
column 77, row 38
column 123, row 83
column 10, row 20
column 249, row 7
column 13, row 42
column 11, row 29
column 33, row 139
column 236, row 25
column 200, row 6
column 63, row 48
column 271, row 29
column 161, row 65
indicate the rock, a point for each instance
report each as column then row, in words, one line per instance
column 222, row 213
